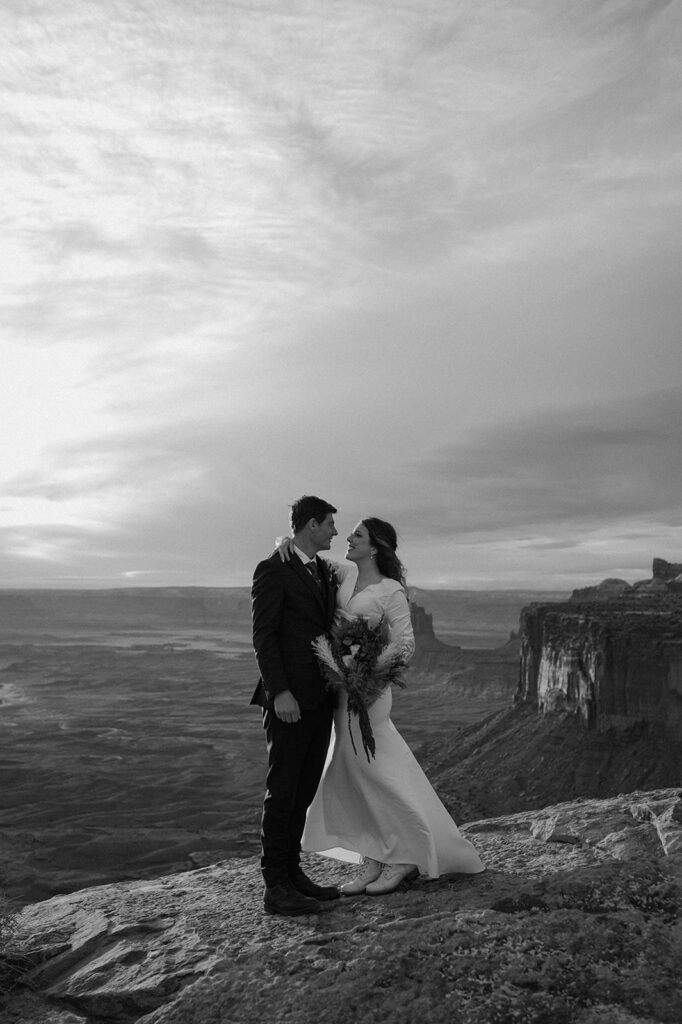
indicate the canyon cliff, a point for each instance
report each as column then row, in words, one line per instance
column 612, row 655
column 597, row 710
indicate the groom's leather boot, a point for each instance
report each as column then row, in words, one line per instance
column 285, row 899
column 305, row 885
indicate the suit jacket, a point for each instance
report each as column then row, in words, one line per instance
column 289, row 611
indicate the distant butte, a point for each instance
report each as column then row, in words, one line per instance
column 612, row 654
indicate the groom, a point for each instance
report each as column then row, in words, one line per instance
column 293, row 603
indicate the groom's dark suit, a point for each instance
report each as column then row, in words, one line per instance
column 289, row 611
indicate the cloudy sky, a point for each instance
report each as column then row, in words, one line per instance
column 421, row 257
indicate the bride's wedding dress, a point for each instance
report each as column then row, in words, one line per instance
column 385, row 809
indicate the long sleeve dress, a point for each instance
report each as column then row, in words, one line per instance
column 386, row 808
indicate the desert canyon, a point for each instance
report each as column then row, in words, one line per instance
column 551, row 726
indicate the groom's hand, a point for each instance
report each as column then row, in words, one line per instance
column 286, row 707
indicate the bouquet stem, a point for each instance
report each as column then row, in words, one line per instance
column 368, row 742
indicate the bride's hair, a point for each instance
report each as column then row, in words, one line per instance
column 384, row 538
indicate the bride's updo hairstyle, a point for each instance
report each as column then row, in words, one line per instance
column 383, row 537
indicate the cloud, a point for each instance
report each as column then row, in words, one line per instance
column 555, row 479
column 587, row 492
column 419, row 258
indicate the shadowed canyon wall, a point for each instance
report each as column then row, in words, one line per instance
column 614, row 662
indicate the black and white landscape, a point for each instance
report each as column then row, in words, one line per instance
column 128, row 744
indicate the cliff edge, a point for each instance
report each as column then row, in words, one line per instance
column 576, row 919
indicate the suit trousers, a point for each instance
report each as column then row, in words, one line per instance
column 296, row 755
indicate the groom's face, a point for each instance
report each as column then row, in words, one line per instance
column 322, row 533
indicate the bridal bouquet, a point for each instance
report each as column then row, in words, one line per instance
column 358, row 659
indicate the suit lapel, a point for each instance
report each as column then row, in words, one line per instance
column 303, row 574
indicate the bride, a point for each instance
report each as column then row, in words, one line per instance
column 382, row 814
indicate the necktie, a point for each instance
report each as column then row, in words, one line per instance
column 314, row 572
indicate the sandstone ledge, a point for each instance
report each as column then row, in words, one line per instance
column 576, row 919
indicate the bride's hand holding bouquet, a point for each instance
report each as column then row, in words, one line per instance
column 360, row 660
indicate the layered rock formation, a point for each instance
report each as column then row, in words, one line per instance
column 431, row 654
column 485, row 674
column 666, row 578
column 612, row 655
column 666, row 571
column 576, row 919
column 425, row 638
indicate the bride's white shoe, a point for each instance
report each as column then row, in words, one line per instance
column 370, row 870
column 391, row 877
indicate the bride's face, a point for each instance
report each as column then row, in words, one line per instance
column 359, row 546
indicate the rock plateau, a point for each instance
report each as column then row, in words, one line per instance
column 575, row 921
column 612, row 655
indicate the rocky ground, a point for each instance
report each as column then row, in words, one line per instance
column 575, row 921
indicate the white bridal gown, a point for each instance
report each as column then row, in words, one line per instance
column 385, row 809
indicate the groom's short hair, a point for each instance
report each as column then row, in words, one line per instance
column 307, row 507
